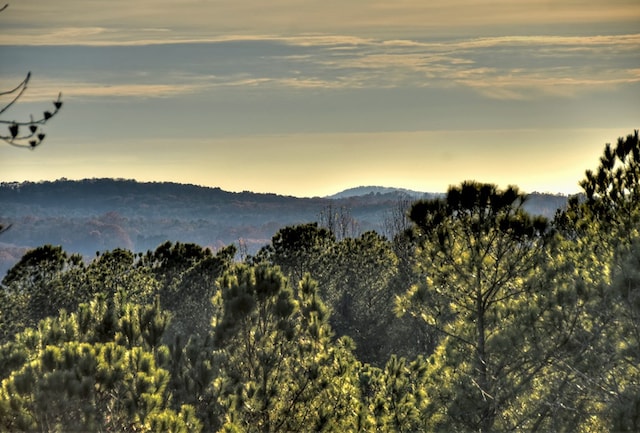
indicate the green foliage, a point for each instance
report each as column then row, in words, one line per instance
column 187, row 274
column 90, row 387
column 478, row 250
column 281, row 372
column 394, row 398
column 169, row 261
column 510, row 324
column 358, row 293
column 33, row 289
column 358, row 279
column 298, row 250
column 116, row 272
column 596, row 282
column 76, row 373
column 195, row 378
column 613, row 191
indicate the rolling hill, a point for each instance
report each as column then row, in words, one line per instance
column 99, row 214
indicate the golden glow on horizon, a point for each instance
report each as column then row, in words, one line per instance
column 262, row 96
column 544, row 160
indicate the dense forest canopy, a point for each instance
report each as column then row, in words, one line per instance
column 469, row 314
column 103, row 214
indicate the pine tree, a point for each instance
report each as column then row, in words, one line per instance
column 358, row 293
column 280, row 370
column 394, row 398
column 478, row 248
column 298, row 250
column 34, row 288
column 96, row 370
column 595, row 280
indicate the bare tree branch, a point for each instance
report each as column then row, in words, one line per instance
column 33, row 135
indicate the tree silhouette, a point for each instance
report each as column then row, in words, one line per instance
column 24, row 133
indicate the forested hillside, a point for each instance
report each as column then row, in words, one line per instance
column 473, row 315
column 102, row 214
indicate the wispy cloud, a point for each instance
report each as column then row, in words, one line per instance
column 128, row 90
column 124, row 37
column 44, row 90
column 525, row 85
column 372, row 18
column 507, row 67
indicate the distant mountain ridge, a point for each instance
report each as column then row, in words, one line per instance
column 366, row 190
column 99, row 214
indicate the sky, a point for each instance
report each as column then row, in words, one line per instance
column 308, row 98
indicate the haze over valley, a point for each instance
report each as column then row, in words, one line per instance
column 101, row 214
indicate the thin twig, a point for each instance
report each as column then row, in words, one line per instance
column 22, row 86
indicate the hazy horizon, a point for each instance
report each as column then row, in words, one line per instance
column 311, row 98
column 346, row 190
